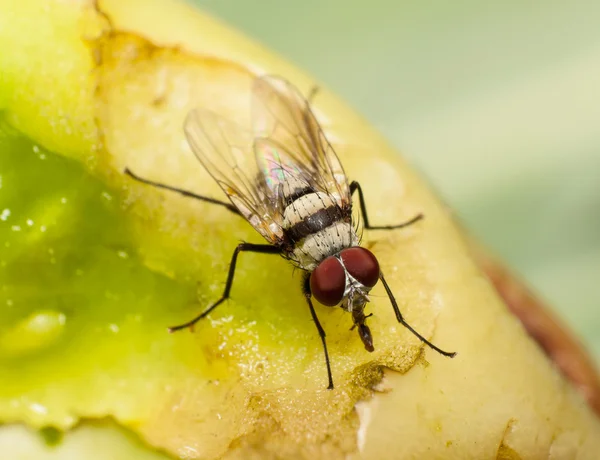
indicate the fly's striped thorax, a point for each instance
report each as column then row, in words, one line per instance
column 315, row 225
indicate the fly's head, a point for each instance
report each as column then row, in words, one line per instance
column 347, row 278
column 355, row 301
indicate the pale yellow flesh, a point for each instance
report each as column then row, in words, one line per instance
column 121, row 102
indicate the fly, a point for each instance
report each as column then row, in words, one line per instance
column 286, row 180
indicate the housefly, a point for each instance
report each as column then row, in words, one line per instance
column 286, row 180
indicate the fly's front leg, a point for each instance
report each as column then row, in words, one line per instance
column 242, row 247
column 308, row 295
column 355, row 186
column 230, row 207
column 401, row 320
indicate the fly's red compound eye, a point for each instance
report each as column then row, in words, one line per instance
column 362, row 265
column 328, row 282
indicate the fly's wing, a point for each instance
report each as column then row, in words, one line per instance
column 290, row 143
column 225, row 151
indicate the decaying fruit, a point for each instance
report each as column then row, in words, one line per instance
column 88, row 88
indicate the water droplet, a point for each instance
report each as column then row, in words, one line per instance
column 36, row 149
column 107, row 196
column 122, row 254
column 34, row 332
column 63, row 200
column 113, row 328
column 16, row 228
column 38, row 408
column 5, row 214
column 29, row 222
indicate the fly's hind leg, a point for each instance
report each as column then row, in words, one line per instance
column 312, row 93
column 230, row 207
column 355, row 186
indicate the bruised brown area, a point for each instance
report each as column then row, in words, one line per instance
column 505, row 452
column 544, row 327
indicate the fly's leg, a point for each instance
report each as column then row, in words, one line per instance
column 242, row 247
column 312, row 93
column 401, row 320
column 230, row 207
column 355, row 186
column 308, row 295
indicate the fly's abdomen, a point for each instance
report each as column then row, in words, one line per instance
column 318, row 208
column 317, row 227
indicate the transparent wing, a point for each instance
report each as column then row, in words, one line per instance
column 225, row 151
column 289, row 140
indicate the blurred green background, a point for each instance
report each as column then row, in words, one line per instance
column 497, row 103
